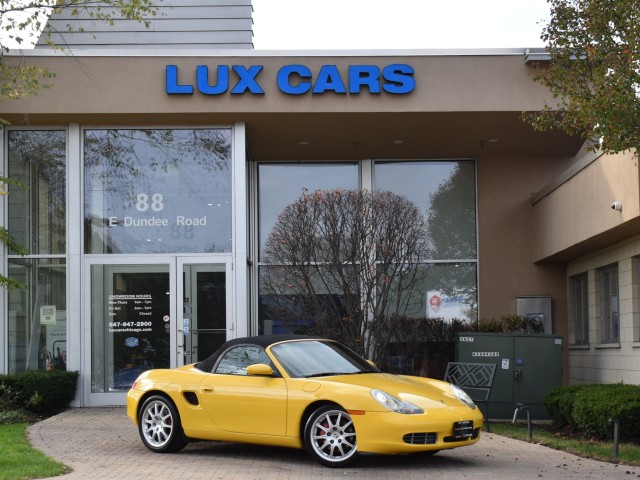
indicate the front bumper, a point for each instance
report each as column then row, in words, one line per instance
column 394, row 433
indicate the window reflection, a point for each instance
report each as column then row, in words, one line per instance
column 236, row 360
column 37, row 209
column 445, row 192
column 37, row 314
column 282, row 184
column 295, row 297
column 158, row 191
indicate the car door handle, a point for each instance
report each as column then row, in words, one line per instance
column 207, row 389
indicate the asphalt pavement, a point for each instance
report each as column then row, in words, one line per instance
column 101, row 443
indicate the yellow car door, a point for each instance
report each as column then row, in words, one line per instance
column 243, row 403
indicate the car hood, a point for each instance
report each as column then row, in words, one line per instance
column 423, row 392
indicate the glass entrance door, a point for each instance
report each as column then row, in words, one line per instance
column 160, row 312
column 204, row 309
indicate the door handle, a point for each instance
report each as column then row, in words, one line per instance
column 516, row 374
column 207, row 389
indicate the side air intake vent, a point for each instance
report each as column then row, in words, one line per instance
column 191, row 397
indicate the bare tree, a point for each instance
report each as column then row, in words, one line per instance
column 343, row 264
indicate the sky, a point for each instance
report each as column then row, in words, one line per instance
column 397, row 24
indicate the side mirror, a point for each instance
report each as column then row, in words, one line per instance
column 259, row 369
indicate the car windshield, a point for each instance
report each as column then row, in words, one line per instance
column 315, row 358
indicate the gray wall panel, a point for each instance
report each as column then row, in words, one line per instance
column 179, row 23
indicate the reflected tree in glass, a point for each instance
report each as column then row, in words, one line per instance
column 451, row 228
column 157, row 173
column 345, row 259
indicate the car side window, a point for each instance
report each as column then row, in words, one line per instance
column 236, row 360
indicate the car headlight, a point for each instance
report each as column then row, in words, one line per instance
column 462, row 396
column 394, row 404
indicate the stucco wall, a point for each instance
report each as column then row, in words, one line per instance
column 506, row 233
column 580, row 209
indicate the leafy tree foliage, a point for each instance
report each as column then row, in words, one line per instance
column 22, row 22
column 594, row 72
column 342, row 264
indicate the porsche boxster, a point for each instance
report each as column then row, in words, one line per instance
column 300, row 392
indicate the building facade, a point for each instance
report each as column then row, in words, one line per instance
column 155, row 167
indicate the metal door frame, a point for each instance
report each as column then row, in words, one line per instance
column 176, row 265
column 181, row 262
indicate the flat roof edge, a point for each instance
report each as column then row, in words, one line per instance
column 537, row 53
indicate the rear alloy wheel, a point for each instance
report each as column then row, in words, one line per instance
column 159, row 425
column 330, row 436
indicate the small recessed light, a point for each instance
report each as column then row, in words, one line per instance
column 398, row 141
column 492, row 140
column 303, row 142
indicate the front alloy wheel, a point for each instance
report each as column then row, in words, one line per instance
column 330, row 437
column 159, row 425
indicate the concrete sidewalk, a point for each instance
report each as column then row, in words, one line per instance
column 101, row 443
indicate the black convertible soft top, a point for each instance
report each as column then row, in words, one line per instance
column 262, row 341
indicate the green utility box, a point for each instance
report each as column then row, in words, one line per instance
column 527, row 367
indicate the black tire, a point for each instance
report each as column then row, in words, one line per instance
column 159, row 425
column 330, row 437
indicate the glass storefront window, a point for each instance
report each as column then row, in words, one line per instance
column 37, row 320
column 37, row 209
column 445, row 289
column 303, row 302
column 282, row 184
column 36, row 314
column 158, row 191
column 445, row 191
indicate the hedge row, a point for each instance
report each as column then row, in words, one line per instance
column 590, row 409
column 38, row 391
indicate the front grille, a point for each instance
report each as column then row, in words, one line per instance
column 421, row 438
column 191, row 397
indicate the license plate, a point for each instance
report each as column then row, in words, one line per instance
column 462, row 430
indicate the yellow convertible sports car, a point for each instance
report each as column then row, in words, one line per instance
column 300, row 392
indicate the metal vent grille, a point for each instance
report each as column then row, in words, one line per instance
column 421, row 438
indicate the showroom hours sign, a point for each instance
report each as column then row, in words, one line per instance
column 158, row 191
column 130, row 313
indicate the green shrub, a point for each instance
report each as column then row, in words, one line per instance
column 559, row 402
column 511, row 324
column 592, row 413
column 589, row 409
column 39, row 391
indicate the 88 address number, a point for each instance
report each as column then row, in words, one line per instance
column 144, row 202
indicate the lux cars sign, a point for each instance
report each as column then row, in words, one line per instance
column 395, row 79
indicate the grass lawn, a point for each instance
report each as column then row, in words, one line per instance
column 18, row 461
column 628, row 453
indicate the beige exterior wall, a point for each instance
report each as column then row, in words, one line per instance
column 610, row 363
column 506, row 229
column 100, row 83
column 580, row 209
column 576, row 225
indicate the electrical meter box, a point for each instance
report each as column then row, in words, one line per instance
column 527, row 367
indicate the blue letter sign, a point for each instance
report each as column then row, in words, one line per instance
column 395, row 79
